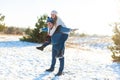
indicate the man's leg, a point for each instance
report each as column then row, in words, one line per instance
column 53, row 61
column 61, row 64
column 54, row 52
column 61, row 68
column 61, row 45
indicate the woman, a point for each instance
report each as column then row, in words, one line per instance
column 57, row 21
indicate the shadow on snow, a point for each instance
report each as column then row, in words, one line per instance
column 45, row 74
column 16, row 44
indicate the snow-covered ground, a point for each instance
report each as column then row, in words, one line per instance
column 87, row 59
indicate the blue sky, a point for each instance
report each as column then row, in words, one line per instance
column 90, row 16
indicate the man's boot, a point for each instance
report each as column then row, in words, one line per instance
column 49, row 70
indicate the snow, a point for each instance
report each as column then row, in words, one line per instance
column 89, row 59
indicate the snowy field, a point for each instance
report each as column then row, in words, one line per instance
column 87, row 59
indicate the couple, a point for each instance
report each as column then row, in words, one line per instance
column 57, row 35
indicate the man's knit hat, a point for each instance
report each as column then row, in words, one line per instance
column 50, row 20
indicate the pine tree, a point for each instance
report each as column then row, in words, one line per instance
column 116, row 39
column 35, row 35
column 2, row 25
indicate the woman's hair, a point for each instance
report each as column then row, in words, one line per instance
column 55, row 13
column 55, row 20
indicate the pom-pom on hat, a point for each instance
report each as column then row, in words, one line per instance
column 50, row 20
column 54, row 12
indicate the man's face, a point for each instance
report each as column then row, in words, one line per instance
column 49, row 25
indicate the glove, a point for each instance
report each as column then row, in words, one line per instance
column 40, row 48
column 44, row 29
column 48, row 38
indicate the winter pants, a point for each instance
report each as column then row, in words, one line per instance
column 55, row 49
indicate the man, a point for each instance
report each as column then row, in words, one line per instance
column 58, row 45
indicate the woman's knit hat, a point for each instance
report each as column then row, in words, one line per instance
column 54, row 12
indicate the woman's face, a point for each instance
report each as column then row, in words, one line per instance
column 49, row 25
column 53, row 16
